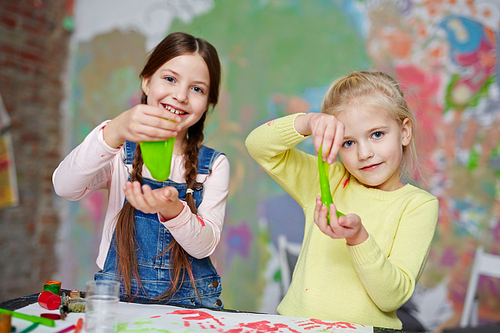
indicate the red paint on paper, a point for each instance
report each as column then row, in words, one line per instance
column 198, row 315
column 265, row 326
column 317, row 323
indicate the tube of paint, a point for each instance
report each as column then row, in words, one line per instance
column 157, row 156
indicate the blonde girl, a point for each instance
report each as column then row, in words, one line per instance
column 361, row 267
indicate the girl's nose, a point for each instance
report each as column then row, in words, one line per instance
column 365, row 151
column 180, row 94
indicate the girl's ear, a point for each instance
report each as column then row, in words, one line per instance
column 145, row 85
column 406, row 132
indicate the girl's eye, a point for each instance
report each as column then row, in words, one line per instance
column 347, row 144
column 377, row 135
column 169, row 79
column 198, row 89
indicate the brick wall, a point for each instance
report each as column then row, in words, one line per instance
column 34, row 45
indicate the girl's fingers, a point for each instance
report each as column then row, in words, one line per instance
column 334, row 226
column 148, row 123
column 133, row 193
column 317, row 133
column 317, row 209
column 129, row 194
column 149, row 197
column 327, row 133
column 170, row 193
column 320, row 218
column 137, row 195
column 336, row 142
column 152, row 115
column 328, row 138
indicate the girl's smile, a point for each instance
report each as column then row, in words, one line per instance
column 173, row 110
column 370, row 167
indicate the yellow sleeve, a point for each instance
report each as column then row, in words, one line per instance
column 272, row 144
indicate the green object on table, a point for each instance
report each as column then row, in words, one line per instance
column 326, row 194
column 30, row 328
column 157, row 156
column 33, row 319
column 53, row 286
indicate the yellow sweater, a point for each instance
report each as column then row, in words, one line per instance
column 363, row 284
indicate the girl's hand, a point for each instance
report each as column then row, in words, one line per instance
column 348, row 227
column 326, row 130
column 163, row 200
column 141, row 123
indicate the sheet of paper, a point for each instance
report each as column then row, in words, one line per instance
column 140, row 318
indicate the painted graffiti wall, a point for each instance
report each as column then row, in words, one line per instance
column 278, row 58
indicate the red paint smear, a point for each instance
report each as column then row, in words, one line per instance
column 155, row 317
column 199, row 315
column 313, row 323
column 345, row 183
column 201, row 220
column 262, row 326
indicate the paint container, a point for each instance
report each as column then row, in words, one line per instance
column 74, row 294
column 48, row 300
column 53, row 286
column 5, row 319
column 76, row 305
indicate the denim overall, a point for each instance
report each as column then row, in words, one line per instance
column 152, row 238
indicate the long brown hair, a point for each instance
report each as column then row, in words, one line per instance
column 175, row 44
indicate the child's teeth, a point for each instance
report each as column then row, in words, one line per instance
column 169, row 108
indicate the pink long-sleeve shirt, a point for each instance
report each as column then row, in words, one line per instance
column 94, row 165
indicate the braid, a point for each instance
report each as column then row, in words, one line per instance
column 137, row 165
column 125, row 232
column 195, row 137
column 178, row 255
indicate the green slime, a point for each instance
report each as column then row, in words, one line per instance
column 326, row 194
column 157, row 156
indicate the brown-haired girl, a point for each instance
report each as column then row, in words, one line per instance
column 158, row 235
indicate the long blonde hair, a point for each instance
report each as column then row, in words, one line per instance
column 380, row 91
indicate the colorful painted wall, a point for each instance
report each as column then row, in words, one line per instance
column 278, row 58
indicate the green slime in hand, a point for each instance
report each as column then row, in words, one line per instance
column 157, row 156
column 326, row 195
